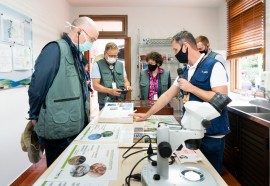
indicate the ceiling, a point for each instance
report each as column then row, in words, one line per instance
column 146, row 3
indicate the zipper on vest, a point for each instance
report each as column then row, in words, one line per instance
column 67, row 99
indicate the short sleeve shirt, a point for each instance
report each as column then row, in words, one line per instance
column 218, row 76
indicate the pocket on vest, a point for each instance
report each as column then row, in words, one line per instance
column 107, row 79
column 60, row 117
column 119, row 77
column 164, row 85
column 143, row 89
column 70, row 68
column 67, row 108
column 75, row 116
column 202, row 79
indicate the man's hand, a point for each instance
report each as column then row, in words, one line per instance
column 139, row 116
column 185, row 85
column 115, row 92
column 34, row 122
column 129, row 88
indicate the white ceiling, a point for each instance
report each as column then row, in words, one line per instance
column 146, row 3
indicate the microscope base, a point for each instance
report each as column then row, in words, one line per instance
column 178, row 175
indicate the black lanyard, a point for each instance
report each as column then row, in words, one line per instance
column 111, row 67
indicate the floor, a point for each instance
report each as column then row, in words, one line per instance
column 29, row 177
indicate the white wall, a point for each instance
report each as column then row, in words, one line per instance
column 48, row 17
column 48, row 24
column 222, row 26
column 154, row 22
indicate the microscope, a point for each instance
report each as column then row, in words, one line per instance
column 196, row 119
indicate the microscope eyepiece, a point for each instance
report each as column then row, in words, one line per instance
column 220, row 101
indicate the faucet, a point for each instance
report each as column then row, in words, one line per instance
column 265, row 94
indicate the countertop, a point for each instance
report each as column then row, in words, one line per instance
column 244, row 101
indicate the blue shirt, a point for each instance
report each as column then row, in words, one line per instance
column 46, row 67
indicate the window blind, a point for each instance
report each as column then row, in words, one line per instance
column 245, row 27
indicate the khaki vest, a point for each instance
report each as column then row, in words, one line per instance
column 62, row 114
column 144, row 83
column 107, row 79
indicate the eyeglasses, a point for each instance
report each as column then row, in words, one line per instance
column 92, row 39
column 113, row 56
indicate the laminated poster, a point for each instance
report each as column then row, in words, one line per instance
column 160, row 119
column 44, row 182
column 100, row 133
column 87, row 162
column 104, row 133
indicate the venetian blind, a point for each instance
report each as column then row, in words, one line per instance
column 245, row 27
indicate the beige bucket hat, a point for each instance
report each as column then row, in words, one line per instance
column 30, row 144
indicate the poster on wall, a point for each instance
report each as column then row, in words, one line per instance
column 16, row 58
column 21, row 57
column 12, row 30
column 5, row 58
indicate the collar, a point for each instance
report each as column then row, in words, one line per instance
column 197, row 62
column 74, row 48
column 160, row 71
column 209, row 51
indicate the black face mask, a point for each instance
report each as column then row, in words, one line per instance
column 182, row 57
column 203, row 52
column 152, row 67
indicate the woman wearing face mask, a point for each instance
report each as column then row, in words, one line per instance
column 154, row 81
column 109, row 77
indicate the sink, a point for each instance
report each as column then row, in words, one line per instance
column 252, row 109
column 261, row 103
column 264, row 116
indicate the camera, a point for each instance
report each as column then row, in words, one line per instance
column 123, row 91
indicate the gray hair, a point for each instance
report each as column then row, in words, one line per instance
column 185, row 36
column 83, row 21
column 87, row 24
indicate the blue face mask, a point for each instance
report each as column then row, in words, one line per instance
column 87, row 45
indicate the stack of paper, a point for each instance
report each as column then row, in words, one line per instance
column 116, row 113
column 187, row 155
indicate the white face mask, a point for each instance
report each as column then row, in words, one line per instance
column 111, row 60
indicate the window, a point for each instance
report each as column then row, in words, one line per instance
column 245, row 42
column 249, row 70
column 111, row 26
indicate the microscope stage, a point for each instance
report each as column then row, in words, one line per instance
column 178, row 175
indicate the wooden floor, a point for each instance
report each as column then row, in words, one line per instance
column 29, row 177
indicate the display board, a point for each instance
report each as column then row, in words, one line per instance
column 16, row 59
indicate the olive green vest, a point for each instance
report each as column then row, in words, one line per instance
column 62, row 114
column 144, row 83
column 107, row 79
